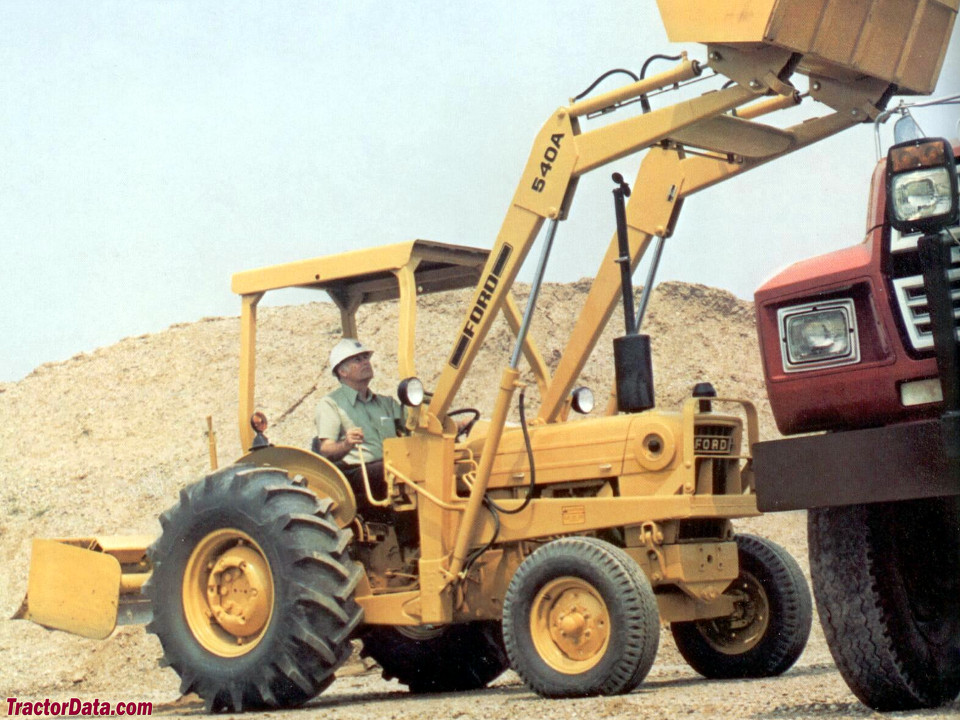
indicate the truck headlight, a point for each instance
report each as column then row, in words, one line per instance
column 922, row 185
column 921, row 195
column 818, row 335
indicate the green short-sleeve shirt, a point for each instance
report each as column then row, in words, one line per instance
column 344, row 408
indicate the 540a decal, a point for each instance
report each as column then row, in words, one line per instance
column 546, row 164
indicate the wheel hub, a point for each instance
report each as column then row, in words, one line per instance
column 746, row 626
column 238, row 591
column 228, row 592
column 570, row 625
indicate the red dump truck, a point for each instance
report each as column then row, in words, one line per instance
column 860, row 352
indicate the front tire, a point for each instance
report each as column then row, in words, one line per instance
column 579, row 619
column 771, row 623
column 449, row 658
column 887, row 583
column 252, row 591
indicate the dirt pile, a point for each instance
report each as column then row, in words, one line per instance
column 102, row 443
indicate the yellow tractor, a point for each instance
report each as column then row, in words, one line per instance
column 555, row 547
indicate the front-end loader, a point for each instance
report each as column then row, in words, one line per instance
column 557, row 546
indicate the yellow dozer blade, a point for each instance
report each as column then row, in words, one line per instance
column 87, row 586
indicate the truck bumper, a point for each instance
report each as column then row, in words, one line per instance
column 897, row 462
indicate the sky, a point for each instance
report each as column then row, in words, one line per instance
column 149, row 150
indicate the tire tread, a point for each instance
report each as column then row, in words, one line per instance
column 462, row 657
column 846, row 565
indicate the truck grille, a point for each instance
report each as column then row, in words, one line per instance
column 911, row 295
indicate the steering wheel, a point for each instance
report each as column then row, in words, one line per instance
column 473, row 421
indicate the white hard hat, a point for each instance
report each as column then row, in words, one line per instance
column 344, row 350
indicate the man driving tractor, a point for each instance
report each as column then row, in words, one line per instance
column 352, row 422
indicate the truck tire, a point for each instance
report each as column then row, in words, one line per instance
column 771, row 623
column 887, row 583
column 438, row 659
column 252, row 590
column 579, row 621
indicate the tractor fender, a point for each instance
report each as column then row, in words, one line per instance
column 320, row 475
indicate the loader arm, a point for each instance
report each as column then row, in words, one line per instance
column 560, row 155
column 725, row 145
column 667, row 176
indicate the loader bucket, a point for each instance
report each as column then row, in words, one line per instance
column 87, row 586
column 897, row 41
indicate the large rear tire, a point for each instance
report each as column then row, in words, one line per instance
column 770, row 625
column 579, row 619
column 442, row 659
column 252, row 591
column 887, row 583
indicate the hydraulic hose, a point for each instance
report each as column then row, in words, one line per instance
column 492, row 506
column 532, row 485
column 603, row 77
column 644, row 102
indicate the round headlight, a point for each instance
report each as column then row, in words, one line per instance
column 581, row 400
column 410, row 391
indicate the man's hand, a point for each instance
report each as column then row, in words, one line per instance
column 336, row 449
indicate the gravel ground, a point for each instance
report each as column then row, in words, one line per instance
column 124, row 668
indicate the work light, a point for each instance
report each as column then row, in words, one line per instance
column 410, row 392
column 581, row 400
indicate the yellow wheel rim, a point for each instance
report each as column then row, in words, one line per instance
column 228, row 593
column 570, row 625
column 741, row 631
